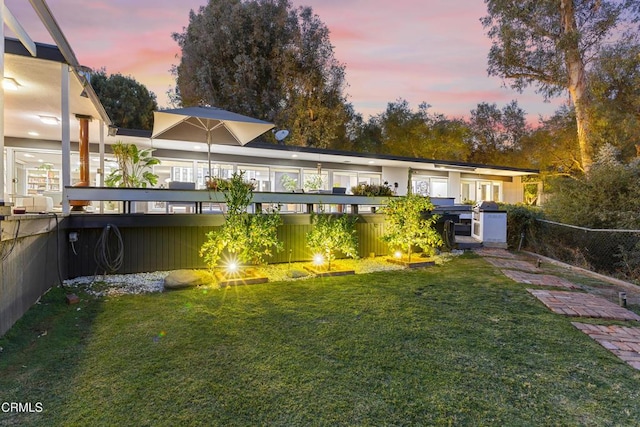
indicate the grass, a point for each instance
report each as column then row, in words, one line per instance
column 455, row 344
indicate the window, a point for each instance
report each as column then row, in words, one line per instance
column 258, row 175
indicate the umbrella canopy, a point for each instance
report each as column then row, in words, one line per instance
column 207, row 124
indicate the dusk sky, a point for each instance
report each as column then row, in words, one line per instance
column 419, row 50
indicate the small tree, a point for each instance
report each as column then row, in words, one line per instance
column 409, row 223
column 333, row 233
column 134, row 167
column 250, row 238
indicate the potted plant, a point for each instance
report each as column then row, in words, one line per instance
column 288, row 183
column 409, row 223
column 372, row 190
column 313, row 183
column 134, row 167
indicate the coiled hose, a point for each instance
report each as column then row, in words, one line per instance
column 449, row 234
column 109, row 250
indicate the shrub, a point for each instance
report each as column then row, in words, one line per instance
column 372, row 190
column 409, row 223
column 522, row 224
column 607, row 197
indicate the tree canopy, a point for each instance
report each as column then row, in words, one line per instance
column 128, row 103
column 265, row 59
column 550, row 43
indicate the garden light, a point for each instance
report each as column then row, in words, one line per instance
column 318, row 259
column 398, row 254
column 232, row 267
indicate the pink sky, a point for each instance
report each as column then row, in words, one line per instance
column 419, row 50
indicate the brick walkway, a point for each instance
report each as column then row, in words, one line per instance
column 513, row 264
column 622, row 341
column 539, row 279
column 495, row 252
column 577, row 304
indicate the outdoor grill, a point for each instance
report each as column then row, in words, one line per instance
column 489, row 224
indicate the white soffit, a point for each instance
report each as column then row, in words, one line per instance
column 39, row 94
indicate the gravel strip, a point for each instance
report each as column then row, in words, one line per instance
column 143, row 283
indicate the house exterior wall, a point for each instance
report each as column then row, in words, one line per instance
column 454, row 186
column 513, row 192
column 399, row 175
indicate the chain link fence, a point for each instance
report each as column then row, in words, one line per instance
column 612, row 252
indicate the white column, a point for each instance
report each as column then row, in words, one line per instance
column 454, row 186
column 101, row 165
column 2, row 171
column 66, row 135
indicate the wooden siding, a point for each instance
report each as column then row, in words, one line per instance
column 29, row 268
column 171, row 242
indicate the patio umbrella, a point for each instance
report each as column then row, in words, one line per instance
column 207, row 124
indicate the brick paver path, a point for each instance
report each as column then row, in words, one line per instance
column 578, row 304
column 622, row 341
column 495, row 252
column 513, row 264
column 539, row 279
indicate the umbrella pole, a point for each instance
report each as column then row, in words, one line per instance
column 209, row 152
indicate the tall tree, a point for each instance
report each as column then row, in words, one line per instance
column 420, row 133
column 550, row 43
column 495, row 133
column 265, row 59
column 128, row 103
column 614, row 84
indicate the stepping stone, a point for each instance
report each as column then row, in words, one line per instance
column 539, row 279
column 494, row 252
column 622, row 341
column 513, row 264
column 578, row 304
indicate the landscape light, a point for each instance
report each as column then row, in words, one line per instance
column 232, row 267
column 318, row 259
column 398, row 254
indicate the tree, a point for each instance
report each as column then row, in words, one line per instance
column 409, row 223
column 550, row 43
column 497, row 133
column 333, row 233
column 264, row 59
column 245, row 238
column 552, row 146
column 128, row 103
column 614, row 83
column 420, row 133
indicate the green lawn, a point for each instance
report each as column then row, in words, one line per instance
column 456, row 344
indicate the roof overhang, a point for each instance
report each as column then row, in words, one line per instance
column 39, row 94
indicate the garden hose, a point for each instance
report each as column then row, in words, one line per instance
column 107, row 255
column 449, row 234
